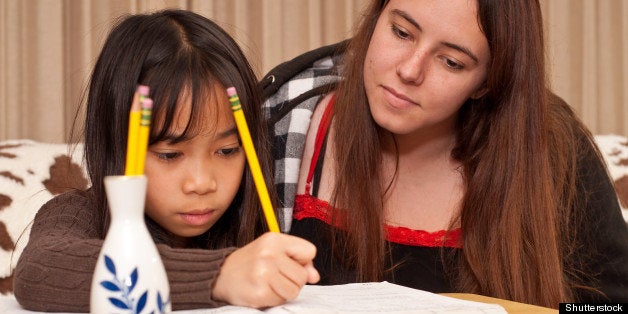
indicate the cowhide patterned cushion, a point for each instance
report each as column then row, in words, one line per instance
column 615, row 151
column 31, row 173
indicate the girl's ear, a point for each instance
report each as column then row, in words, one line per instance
column 480, row 92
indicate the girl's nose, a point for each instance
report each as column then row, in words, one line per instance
column 200, row 181
column 412, row 69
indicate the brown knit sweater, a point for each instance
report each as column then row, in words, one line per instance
column 55, row 270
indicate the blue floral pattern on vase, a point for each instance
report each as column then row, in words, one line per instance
column 124, row 286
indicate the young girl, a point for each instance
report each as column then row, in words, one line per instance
column 441, row 161
column 201, row 202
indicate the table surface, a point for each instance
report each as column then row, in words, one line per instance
column 509, row 306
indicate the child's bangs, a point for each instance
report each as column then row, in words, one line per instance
column 185, row 93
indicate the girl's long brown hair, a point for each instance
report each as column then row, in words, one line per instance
column 516, row 213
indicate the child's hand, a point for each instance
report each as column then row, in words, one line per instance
column 266, row 272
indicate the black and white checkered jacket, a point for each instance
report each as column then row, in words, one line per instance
column 291, row 92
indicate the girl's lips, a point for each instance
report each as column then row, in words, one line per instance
column 396, row 99
column 197, row 218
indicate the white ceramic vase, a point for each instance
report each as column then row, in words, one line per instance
column 129, row 275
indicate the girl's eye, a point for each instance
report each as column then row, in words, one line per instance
column 168, row 156
column 452, row 64
column 229, row 151
column 400, row 32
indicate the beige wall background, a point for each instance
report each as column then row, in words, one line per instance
column 48, row 47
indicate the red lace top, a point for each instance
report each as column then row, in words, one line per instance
column 308, row 206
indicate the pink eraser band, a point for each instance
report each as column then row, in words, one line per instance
column 147, row 103
column 231, row 91
column 143, row 90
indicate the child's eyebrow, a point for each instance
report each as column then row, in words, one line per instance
column 174, row 138
column 233, row 130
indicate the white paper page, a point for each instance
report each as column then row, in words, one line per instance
column 380, row 297
column 229, row 309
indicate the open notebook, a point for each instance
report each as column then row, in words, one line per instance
column 373, row 297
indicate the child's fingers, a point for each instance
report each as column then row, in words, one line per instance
column 268, row 298
column 312, row 274
column 303, row 252
column 270, row 271
column 293, row 271
column 291, row 278
column 296, row 268
column 297, row 248
column 285, row 288
column 278, row 280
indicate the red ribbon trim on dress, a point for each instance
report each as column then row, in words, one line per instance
column 307, row 206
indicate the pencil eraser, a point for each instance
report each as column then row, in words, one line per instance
column 143, row 90
column 147, row 103
column 231, row 91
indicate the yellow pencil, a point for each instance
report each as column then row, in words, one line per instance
column 134, row 126
column 142, row 143
column 251, row 157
